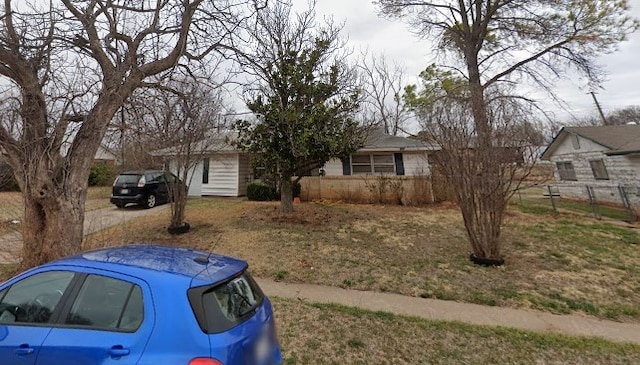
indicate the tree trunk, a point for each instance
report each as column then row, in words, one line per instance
column 479, row 191
column 54, row 187
column 53, row 226
column 286, row 195
column 179, row 194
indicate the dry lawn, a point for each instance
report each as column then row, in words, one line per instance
column 329, row 334
column 12, row 209
column 557, row 265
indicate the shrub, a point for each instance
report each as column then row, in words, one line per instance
column 297, row 188
column 385, row 188
column 102, row 174
column 259, row 191
column 7, row 181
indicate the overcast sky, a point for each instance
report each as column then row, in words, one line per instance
column 366, row 30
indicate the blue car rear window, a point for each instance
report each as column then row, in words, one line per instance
column 223, row 306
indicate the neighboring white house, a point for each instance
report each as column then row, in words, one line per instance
column 103, row 154
column 605, row 158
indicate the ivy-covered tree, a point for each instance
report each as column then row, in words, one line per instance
column 306, row 99
column 497, row 43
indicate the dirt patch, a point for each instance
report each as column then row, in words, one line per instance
column 9, row 226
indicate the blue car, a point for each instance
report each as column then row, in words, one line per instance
column 139, row 304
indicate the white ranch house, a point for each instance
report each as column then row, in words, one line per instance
column 226, row 171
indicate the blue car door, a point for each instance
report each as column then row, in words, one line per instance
column 109, row 322
column 20, row 345
column 27, row 305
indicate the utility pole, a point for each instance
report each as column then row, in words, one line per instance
column 604, row 120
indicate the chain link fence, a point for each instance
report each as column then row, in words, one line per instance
column 620, row 202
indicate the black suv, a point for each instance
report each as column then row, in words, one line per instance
column 146, row 188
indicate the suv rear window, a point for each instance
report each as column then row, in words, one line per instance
column 221, row 307
column 127, row 179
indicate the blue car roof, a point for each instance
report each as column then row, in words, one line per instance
column 202, row 267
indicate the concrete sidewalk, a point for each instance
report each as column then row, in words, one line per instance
column 442, row 310
column 94, row 221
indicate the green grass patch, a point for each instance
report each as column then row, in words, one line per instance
column 605, row 211
column 534, row 208
column 328, row 333
column 543, row 206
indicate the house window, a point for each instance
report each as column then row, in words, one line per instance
column 373, row 164
column 566, row 171
column 599, row 170
column 205, row 171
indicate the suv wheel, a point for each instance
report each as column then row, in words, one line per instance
column 151, row 201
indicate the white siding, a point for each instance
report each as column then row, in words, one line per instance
column 333, row 167
column 586, row 145
column 195, row 180
column 223, row 175
column 416, row 164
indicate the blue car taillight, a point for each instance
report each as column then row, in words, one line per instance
column 204, row 361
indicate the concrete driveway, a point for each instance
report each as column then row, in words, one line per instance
column 94, row 221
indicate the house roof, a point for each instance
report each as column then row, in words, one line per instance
column 378, row 140
column 617, row 139
column 103, row 152
column 219, row 143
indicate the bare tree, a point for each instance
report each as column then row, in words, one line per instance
column 185, row 117
column 622, row 116
column 513, row 151
column 69, row 66
column 383, row 103
column 493, row 42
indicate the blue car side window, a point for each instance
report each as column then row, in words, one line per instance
column 34, row 299
column 107, row 303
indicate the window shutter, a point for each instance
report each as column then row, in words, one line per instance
column 399, row 164
column 205, row 171
column 346, row 166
